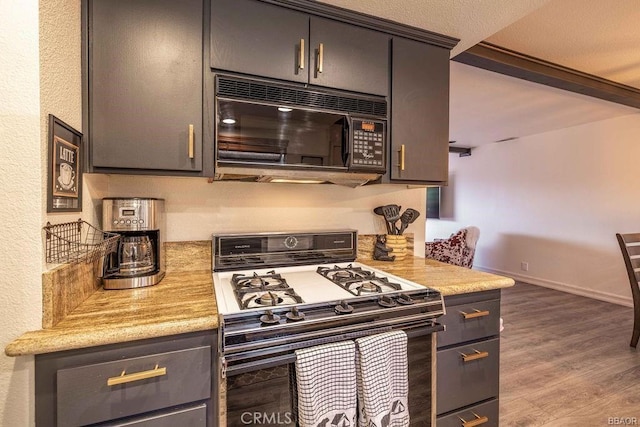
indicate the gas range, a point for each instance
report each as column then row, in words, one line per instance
column 269, row 288
column 277, row 292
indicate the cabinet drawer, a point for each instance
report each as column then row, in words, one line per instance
column 471, row 321
column 467, row 374
column 192, row 417
column 485, row 414
column 164, row 379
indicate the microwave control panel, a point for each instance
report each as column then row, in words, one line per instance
column 368, row 139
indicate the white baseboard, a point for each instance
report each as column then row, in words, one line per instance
column 564, row 287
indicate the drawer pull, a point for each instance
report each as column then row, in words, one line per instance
column 475, row 422
column 127, row 378
column 191, row 142
column 475, row 356
column 476, row 313
column 301, row 58
column 320, row 58
column 401, row 157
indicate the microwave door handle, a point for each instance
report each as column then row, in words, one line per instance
column 347, row 143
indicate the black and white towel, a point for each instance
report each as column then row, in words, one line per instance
column 326, row 380
column 382, row 374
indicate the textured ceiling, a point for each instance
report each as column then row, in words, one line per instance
column 487, row 107
column 593, row 36
column 471, row 21
column 596, row 37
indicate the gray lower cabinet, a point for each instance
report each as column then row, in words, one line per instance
column 144, row 84
column 471, row 417
column 468, row 360
column 257, row 38
column 192, row 417
column 164, row 381
column 419, row 122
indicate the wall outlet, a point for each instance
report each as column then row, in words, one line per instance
column 524, row 266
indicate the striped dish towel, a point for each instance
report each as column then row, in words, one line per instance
column 382, row 374
column 326, row 381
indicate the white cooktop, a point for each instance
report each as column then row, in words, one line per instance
column 311, row 286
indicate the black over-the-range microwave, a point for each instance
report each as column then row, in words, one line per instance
column 271, row 131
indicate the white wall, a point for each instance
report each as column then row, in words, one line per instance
column 20, row 211
column 554, row 200
column 196, row 208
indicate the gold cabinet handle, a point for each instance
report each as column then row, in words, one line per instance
column 320, row 57
column 401, row 155
column 301, row 58
column 128, row 378
column 191, row 142
column 475, row 356
column 475, row 422
column 476, row 313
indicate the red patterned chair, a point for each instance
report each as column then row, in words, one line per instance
column 458, row 249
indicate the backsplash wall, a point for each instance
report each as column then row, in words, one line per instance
column 195, row 208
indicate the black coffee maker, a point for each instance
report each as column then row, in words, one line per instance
column 139, row 258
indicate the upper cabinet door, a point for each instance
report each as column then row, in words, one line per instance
column 252, row 37
column 419, row 112
column 145, row 84
column 349, row 57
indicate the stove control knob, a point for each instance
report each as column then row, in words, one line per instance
column 295, row 314
column 405, row 299
column 386, row 301
column 343, row 308
column 269, row 318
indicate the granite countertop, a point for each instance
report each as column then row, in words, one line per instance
column 182, row 302
column 446, row 278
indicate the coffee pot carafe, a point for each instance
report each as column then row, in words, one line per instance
column 136, row 255
column 138, row 260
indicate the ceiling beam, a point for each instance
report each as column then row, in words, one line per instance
column 504, row 61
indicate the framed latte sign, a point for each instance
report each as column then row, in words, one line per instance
column 65, row 172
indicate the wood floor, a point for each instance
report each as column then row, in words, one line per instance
column 566, row 361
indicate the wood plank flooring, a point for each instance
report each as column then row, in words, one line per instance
column 566, row 361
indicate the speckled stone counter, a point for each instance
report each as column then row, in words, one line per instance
column 446, row 278
column 180, row 303
column 184, row 302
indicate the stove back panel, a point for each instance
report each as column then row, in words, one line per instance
column 246, row 251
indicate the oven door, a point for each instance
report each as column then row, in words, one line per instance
column 263, row 393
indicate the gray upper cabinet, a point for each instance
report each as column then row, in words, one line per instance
column 419, row 112
column 252, row 37
column 349, row 57
column 144, row 84
column 261, row 39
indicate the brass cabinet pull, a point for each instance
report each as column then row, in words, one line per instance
column 475, row 356
column 128, row 378
column 320, row 57
column 191, row 142
column 475, row 422
column 476, row 313
column 301, row 61
column 401, row 155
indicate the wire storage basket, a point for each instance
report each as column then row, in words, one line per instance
column 74, row 242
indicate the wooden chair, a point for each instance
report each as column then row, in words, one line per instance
column 630, row 247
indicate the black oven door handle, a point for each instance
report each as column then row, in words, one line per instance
column 257, row 365
column 420, row 332
column 285, row 359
